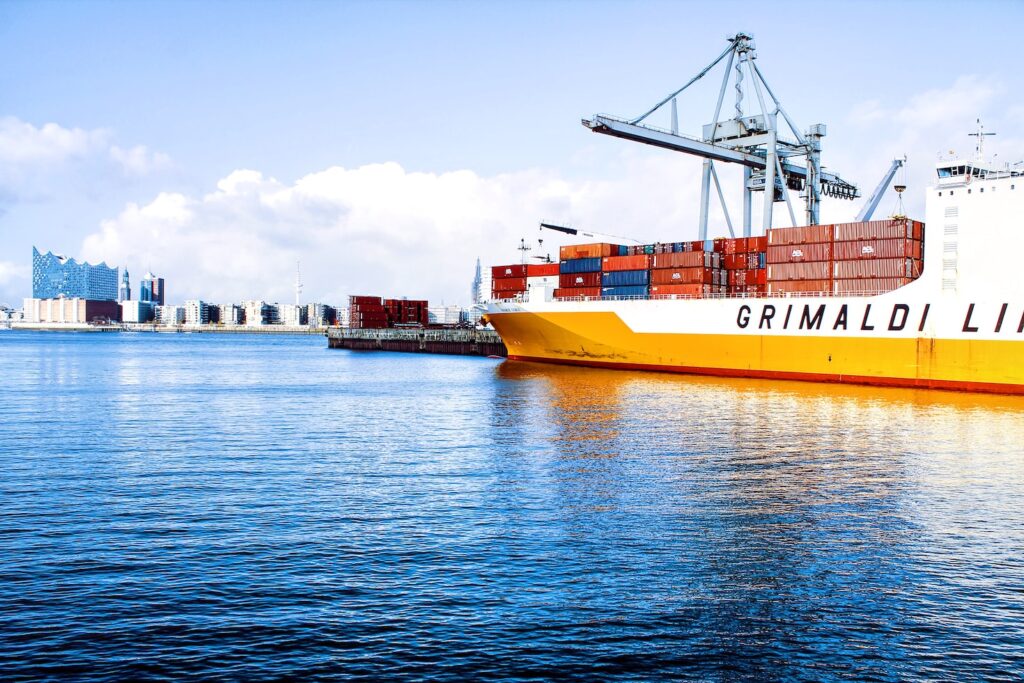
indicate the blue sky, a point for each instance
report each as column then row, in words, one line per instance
column 170, row 99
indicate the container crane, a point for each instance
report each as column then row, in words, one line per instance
column 876, row 196
column 749, row 140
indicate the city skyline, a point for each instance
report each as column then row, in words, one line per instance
column 164, row 134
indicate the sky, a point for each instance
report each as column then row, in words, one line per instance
column 385, row 146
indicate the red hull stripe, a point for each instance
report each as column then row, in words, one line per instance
column 907, row 382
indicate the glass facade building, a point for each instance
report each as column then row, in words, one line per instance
column 58, row 276
column 151, row 290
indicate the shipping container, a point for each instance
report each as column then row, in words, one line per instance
column 570, row 280
column 877, row 268
column 799, row 287
column 509, row 284
column 684, row 291
column 816, row 270
column 756, row 259
column 541, row 269
column 683, row 276
column 799, row 253
column 870, row 286
column 515, row 270
column 638, row 262
column 685, row 259
column 892, row 228
column 874, row 249
column 581, row 251
column 757, row 243
column 543, row 280
column 734, row 261
column 580, row 265
column 624, row 290
column 806, row 234
column 625, row 278
column 573, row 292
column 364, row 300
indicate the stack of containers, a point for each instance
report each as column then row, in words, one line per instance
column 693, row 273
column 542, row 274
column 406, row 313
column 508, row 282
column 626, row 275
column 579, row 268
column 367, row 313
column 799, row 259
column 876, row 256
column 744, row 260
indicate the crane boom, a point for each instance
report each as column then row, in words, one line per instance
column 876, row 196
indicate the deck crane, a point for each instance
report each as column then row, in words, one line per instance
column 876, row 196
column 752, row 141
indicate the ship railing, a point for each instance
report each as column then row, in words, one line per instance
column 711, row 295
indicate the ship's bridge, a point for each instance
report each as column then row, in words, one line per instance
column 957, row 172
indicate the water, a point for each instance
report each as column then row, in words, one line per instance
column 234, row 507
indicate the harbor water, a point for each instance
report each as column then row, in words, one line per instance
column 257, row 508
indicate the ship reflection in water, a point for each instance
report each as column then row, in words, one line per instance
column 786, row 529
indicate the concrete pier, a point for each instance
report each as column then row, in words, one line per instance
column 452, row 342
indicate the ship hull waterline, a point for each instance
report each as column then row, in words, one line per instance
column 600, row 339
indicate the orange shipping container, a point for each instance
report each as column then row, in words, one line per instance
column 572, row 292
column 683, row 276
column 806, row 234
column 892, row 228
column 684, row 259
column 638, row 262
column 541, row 269
column 816, row 270
column 681, row 290
column 870, row 286
column 800, row 287
column 877, row 268
column 799, row 253
column 595, row 250
column 872, row 249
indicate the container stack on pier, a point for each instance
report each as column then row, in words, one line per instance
column 375, row 313
column 849, row 258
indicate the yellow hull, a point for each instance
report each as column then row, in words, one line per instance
column 602, row 339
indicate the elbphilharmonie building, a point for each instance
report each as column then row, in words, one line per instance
column 56, row 276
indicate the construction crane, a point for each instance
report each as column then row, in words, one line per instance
column 752, row 141
column 876, row 196
column 574, row 231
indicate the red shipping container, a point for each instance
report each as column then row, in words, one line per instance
column 541, row 269
column 757, row 277
column 893, row 228
column 806, row 234
column 799, row 253
column 509, row 284
column 614, row 263
column 734, row 261
column 683, row 259
column 799, row 286
column 572, row 292
column 680, row 290
column 684, row 276
column 595, row 250
column 570, row 280
column 872, row 249
column 736, row 245
column 815, row 270
column 877, row 268
column 364, row 300
column 757, row 243
column 515, row 270
column 870, row 286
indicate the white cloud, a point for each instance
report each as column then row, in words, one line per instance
column 14, row 274
column 139, row 160
column 378, row 228
column 22, row 143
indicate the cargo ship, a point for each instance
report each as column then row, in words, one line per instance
column 896, row 302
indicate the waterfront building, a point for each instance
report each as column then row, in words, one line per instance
column 73, row 310
column 475, row 289
column 137, row 311
column 197, row 312
column 125, row 291
column 55, row 276
column 170, row 315
column 483, row 295
column 320, row 315
column 341, row 316
column 256, row 313
column 151, row 289
column 230, row 314
column 292, row 315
